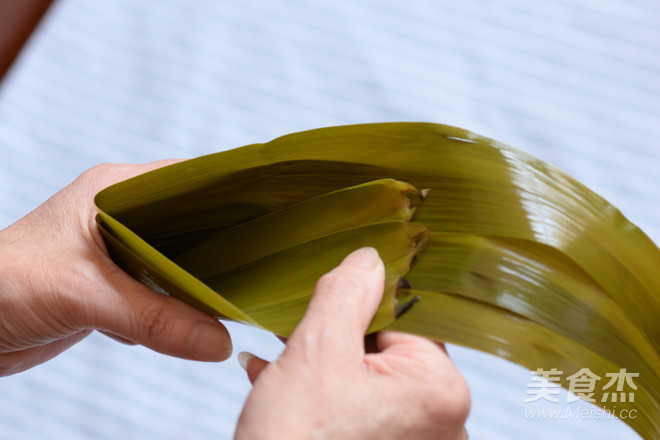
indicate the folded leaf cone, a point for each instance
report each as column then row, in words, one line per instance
column 484, row 246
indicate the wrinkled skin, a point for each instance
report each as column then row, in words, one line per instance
column 57, row 284
column 326, row 386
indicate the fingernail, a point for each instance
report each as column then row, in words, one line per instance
column 244, row 359
column 210, row 343
column 366, row 258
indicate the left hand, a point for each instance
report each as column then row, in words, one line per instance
column 57, row 284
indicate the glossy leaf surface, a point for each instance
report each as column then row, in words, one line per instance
column 520, row 259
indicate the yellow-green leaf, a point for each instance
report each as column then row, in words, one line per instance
column 522, row 260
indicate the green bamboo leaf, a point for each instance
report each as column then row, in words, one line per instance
column 151, row 267
column 510, row 275
column 522, row 260
column 513, row 274
column 288, row 277
column 475, row 324
column 378, row 201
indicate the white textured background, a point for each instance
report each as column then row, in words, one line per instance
column 575, row 82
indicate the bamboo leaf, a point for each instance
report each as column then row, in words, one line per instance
column 522, row 260
column 378, row 201
column 288, row 277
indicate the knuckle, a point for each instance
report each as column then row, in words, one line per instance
column 452, row 400
column 340, row 281
column 96, row 171
column 95, row 177
column 153, row 322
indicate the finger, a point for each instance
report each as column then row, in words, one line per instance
column 17, row 361
column 128, row 309
column 393, row 339
column 126, row 171
column 97, row 178
column 252, row 364
column 398, row 343
column 117, row 338
column 104, row 175
column 344, row 303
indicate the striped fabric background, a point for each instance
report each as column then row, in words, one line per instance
column 575, row 82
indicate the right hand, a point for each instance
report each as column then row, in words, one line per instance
column 326, row 386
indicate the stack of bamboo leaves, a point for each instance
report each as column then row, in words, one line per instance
column 484, row 246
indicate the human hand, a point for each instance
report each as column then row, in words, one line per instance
column 57, row 284
column 325, row 386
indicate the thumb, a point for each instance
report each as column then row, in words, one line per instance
column 165, row 324
column 344, row 303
